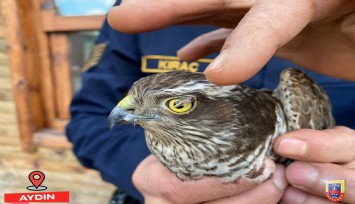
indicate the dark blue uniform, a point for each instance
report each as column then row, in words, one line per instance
column 122, row 59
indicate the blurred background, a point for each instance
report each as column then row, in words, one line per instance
column 43, row 46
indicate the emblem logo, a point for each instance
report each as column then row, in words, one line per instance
column 335, row 190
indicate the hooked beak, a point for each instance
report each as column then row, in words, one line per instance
column 123, row 113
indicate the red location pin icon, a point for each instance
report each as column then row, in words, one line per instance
column 36, row 178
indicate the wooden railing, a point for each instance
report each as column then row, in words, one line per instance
column 40, row 68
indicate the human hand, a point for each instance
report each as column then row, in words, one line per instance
column 159, row 186
column 316, row 34
column 321, row 155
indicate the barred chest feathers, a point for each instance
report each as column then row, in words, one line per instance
column 191, row 161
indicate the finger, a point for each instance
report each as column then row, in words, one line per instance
column 312, row 177
column 204, row 45
column 158, row 14
column 152, row 178
column 155, row 200
column 331, row 145
column 293, row 195
column 269, row 192
column 160, row 182
column 268, row 25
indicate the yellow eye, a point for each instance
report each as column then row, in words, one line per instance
column 181, row 105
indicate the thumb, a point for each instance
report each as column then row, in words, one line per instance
column 267, row 26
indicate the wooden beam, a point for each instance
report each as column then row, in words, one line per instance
column 33, row 51
column 60, row 124
column 21, row 85
column 52, row 138
column 59, row 45
column 71, row 23
column 37, row 59
column 52, row 22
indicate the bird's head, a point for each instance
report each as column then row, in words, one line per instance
column 178, row 105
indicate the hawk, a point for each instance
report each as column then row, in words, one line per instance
column 196, row 128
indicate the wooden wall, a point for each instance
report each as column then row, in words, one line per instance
column 8, row 122
column 63, row 172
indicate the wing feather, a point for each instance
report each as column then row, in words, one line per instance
column 305, row 103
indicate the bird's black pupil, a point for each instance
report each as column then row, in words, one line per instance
column 180, row 106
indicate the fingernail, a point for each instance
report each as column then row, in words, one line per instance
column 178, row 52
column 279, row 178
column 292, row 147
column 217, row 63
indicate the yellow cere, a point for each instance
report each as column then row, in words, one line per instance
column 126, row 102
